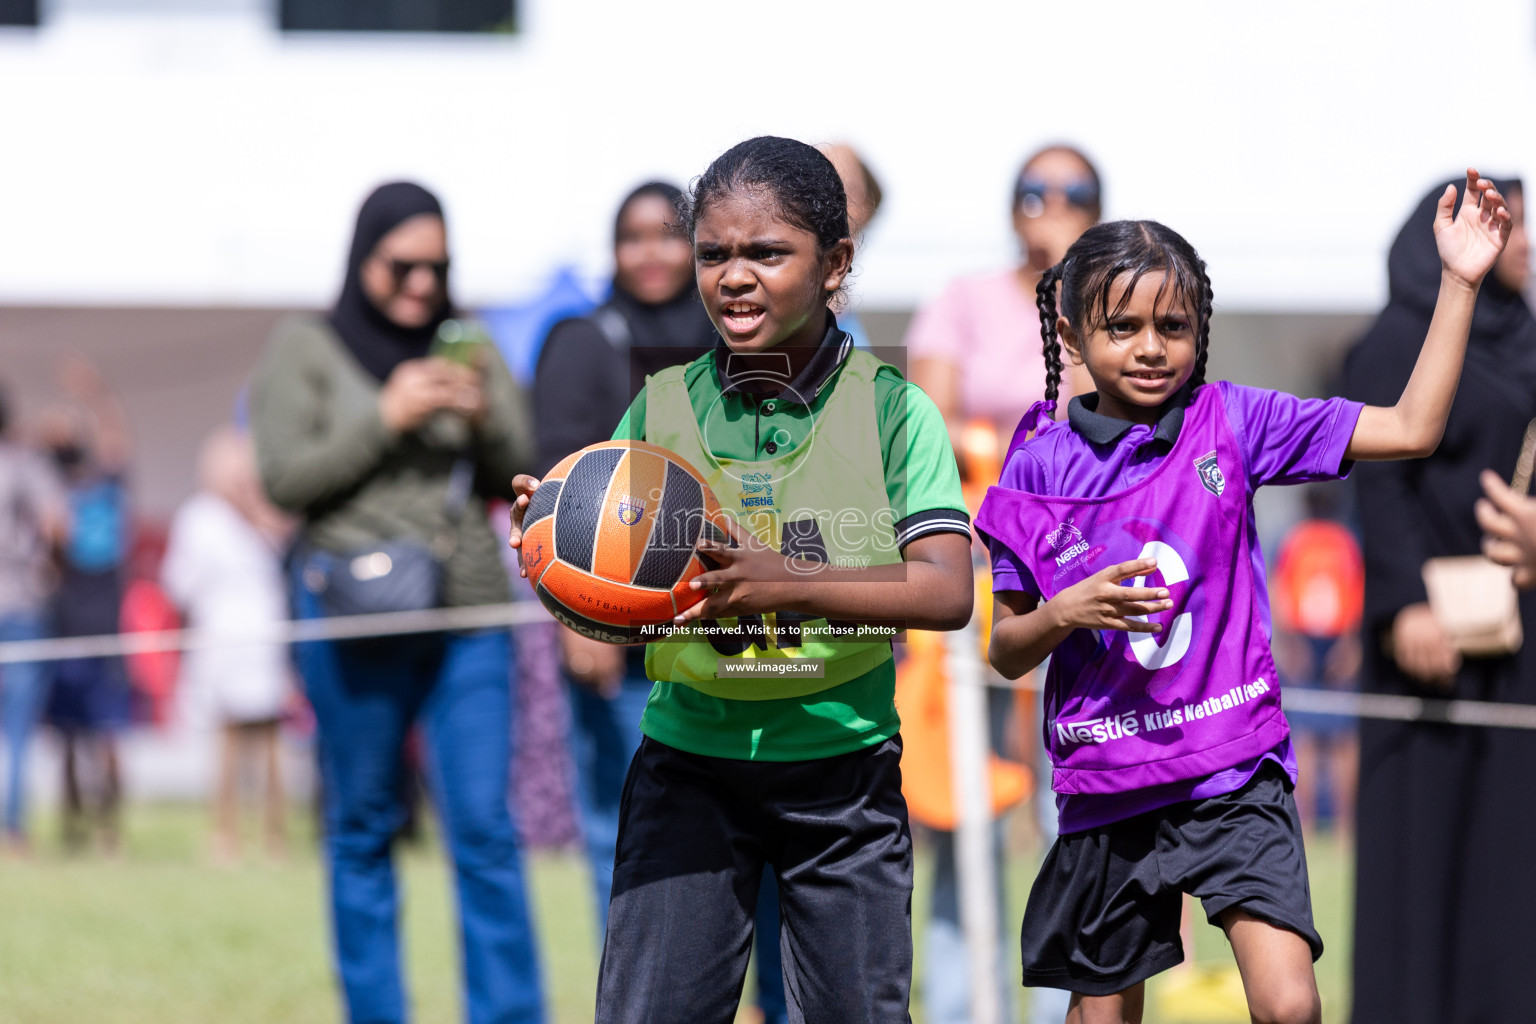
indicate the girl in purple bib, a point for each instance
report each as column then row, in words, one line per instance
column 1124, row 548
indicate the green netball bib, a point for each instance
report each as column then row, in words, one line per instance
column 824, row 501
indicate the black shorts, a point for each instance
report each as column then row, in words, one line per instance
column 1104, row 911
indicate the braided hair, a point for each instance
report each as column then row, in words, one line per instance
column 1088, row 272
column 1045, row 301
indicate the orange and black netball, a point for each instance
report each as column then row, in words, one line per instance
column 610, row 538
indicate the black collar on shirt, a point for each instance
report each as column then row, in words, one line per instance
column 760, row 380
column 1083, row 415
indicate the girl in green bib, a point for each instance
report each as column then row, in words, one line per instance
column 771, row 734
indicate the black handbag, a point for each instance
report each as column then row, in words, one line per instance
column 401, row 575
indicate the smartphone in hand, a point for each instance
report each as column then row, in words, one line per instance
column 461, row 342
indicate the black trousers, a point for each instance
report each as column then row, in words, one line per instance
column 694, row 834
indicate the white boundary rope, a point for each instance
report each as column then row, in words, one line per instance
column 1490, row 714
column 341, row 627
column 1378, row 705
column 1411, row 709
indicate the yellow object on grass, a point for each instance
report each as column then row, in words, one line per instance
column 1201, row 994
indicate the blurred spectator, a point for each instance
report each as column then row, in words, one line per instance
column 1318, row 590
column 388, row 452
column 976, row 351
column 223, row 568
column 543, row 775
column 1444, row 926
column 976, row 348
column 864, row 198
column 90, row 701
column 859, row 183
column 591, row 367
column 520, row 326
column 34, row 522
column 589, row 370
column 152, row 674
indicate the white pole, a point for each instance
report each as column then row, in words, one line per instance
column 969, row 750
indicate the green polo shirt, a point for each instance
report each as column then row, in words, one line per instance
column 923, row 487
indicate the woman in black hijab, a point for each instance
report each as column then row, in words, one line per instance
column 1445, row 915
column 394, row 316
column 590, row 368
column 389, row 452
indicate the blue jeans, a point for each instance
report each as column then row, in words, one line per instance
column 366, row 695
column 23, row 692
column 770, row 955
column 947, row 973
column 604, row 735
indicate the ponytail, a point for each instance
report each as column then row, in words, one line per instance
column 1045, row 301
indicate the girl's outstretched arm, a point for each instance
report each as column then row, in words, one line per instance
column 1025, row 632
column 1469, row 244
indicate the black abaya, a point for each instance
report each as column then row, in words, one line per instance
column 1445, row 904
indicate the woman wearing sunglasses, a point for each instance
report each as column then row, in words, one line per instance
column 386, row 432
column 976, row 352
column 976, row 349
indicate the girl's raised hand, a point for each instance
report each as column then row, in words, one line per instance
column 1102, row 602
column 1471, row 242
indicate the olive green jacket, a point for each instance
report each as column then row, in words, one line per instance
column 325, row 453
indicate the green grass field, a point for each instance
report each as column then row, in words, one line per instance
column 160, row 936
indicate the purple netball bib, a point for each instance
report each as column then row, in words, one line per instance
column 1126, row 711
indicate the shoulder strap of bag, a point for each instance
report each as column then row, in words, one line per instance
column 461, row 483
column 611, row 324
column 1526, row 462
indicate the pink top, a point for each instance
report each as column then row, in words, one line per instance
column 989, row 327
